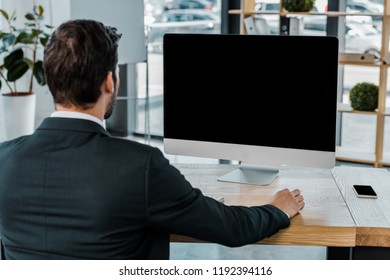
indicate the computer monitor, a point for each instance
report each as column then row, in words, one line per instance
column 263, row 100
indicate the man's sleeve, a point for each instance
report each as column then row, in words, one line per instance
column 176, row 207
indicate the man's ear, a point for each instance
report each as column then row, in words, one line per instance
column 109, row 83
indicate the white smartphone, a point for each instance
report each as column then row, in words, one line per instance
column 365, row 191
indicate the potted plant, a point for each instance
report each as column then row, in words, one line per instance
column 20, row 50
column 298, row 5
column 364, row 96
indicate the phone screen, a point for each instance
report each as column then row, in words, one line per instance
column 364, row 191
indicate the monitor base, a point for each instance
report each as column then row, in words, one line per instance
column 251, row 175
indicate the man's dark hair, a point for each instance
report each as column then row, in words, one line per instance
column 77, row 59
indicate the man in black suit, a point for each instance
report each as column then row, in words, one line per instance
column 71, row 191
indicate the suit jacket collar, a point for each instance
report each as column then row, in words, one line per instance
column 68, row 124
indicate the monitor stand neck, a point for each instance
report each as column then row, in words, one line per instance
column 250, row 174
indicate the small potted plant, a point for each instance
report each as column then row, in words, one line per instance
column 364, row 96
column 298, row 5
column 19, row 50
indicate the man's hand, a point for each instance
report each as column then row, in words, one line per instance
column 291, row 202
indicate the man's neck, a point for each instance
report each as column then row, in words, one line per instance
column 94, row 111
column 77, row 115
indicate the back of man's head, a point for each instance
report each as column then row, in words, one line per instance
column 77, row 59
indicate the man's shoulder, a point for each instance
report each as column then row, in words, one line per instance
column 124, row 144
column 130, row 150
column 13, row 142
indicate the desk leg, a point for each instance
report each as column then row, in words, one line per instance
column 2, row 254
column 338, row 253
column 371, row 253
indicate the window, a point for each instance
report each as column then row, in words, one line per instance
column 162, row 16
column 357, row 34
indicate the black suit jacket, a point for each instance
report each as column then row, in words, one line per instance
column 71, row 191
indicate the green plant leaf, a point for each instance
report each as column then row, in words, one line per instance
column 39, row 73
column 29, row 16
column 36, row 32
column 13, row 58
column 29, row 62
column 364, row 96
column 39, row 10
column 8, row 40
column 17, row 62
column 5, row 14
column 17, row 70
column 44, row 40
column 25, row 38
column 298, row 5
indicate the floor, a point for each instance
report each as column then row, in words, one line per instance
column 190, row 251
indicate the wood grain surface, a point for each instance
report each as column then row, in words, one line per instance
column 325, row 220
column 371, row 216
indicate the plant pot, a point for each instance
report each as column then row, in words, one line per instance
column 19, row 114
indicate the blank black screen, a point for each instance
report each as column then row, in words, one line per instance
column 266, row 90
column 364, row 190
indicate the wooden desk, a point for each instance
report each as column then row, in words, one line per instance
column 325, row 220
column 371, row 216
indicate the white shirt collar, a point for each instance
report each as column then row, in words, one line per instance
column 77, row 115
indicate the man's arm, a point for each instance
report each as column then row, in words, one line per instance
column 176, row 207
